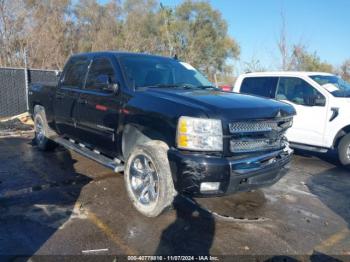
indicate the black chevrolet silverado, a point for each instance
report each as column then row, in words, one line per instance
column 163, row 123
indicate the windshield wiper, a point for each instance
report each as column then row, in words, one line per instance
column 182, row 85
column 187, row 86
column 208, row 87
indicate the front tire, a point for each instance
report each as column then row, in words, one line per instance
column 42, row 130
column 148, row 178
column 344, row 150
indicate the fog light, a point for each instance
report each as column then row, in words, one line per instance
column 209, row 186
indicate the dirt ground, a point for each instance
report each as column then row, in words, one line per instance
column 59, row 203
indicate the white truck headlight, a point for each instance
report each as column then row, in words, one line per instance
column 199, row 134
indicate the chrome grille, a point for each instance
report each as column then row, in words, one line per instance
column 248, row 146
column 258, row 135
column 260, row 125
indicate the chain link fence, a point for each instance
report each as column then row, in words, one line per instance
column 13, row 93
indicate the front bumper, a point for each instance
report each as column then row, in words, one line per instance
column 189, row 170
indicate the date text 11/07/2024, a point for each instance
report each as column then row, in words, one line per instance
column 173, row 258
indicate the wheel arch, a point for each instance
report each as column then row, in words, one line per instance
column 341, row 133
column 134, row 135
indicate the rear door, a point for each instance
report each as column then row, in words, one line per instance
column 309, row 123
column 259, row 86
column 67, row 94
column 99, row 108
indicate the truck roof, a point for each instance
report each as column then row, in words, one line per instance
column 116, row 53
column 285, row 73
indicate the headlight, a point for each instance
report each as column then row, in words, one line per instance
column 199, row 134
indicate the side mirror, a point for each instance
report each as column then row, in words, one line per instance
column 114, row 88
column 314, row 100
column 57, row 73
column 104, row 82
column 320, row 101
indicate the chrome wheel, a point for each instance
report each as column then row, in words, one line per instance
column 39, row 129
column 144, row 180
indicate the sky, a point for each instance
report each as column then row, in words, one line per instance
column 323, row 26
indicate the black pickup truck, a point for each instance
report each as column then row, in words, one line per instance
column 163, row 123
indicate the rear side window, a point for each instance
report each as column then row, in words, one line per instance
column 100, row 66
column 75, row 72
column 260, row 86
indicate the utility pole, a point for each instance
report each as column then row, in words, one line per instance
column 26, row 76
column 167, row 13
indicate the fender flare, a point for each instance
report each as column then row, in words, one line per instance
column 342, row 132
column 134, row 135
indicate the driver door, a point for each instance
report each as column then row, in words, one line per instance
column 311, row 108
column 99, row 107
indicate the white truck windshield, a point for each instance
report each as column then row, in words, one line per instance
column 341, row 87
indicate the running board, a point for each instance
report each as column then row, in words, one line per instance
column 114, row 164
column 308, row 148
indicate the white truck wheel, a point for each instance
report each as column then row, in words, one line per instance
column 344, row 150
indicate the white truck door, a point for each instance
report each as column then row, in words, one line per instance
column 311, row 108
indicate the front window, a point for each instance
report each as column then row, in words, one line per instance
column 334, row 84
column 100, row 66
column 151, row 71
column 299, row 92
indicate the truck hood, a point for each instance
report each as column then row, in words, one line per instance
column 218, row 104
column 340, row 102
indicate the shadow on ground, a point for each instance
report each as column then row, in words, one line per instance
column 331, row 185
column 191, row 233
column 36, row 197
column 330, row 157
column 332, row 188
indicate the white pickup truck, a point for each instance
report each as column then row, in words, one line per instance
column 322, row 103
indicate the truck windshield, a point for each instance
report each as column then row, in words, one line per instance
column 151, row 71
column 334, row 84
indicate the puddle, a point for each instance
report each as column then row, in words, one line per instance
column 238, row 219
column 244, row 207
column 55, row 216
column 37, row 188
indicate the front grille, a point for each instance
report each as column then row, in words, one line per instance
column 258, row 135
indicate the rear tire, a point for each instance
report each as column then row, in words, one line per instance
column 148, row 178
column 344, row 150
column 42, row 130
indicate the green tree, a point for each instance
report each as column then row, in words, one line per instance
column 98, row 27
column 141, row 26
column 47, row 36
column 198, row 34
column 344, row 71
column 254, row 65
column 302, row 60
column 52, row 30
column 12, row 32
